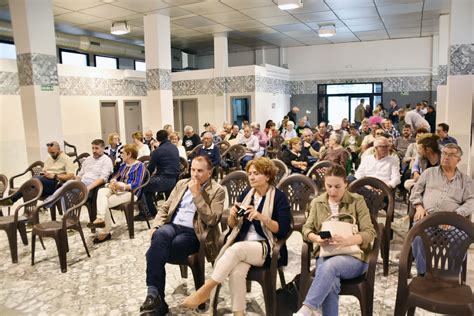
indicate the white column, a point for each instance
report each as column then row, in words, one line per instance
column 221, row 63
column 443, row 48
column 158, row 71
column 460, row 77
column 35, row 42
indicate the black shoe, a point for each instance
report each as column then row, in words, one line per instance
column 98, row 241
column 139, row 218
column 152, row 304
column 93, row 225
column 163, row 309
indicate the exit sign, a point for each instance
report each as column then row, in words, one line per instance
column 47, row 87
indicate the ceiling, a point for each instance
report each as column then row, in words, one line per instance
column 252, row 24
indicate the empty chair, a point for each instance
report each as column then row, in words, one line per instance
column 35, row 169
column 316, row 172
column 3, row 189
column 232, row 157
column 31, row 191
column 375, row 193
column 235, row 183
column 445, row 247
column 282, row 170
column 223, row 145
column 276, row 146
column 183, row 168
column 70, row 197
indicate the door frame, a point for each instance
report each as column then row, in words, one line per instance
column 117, row 120
column 180, row 114
column 124, row 115
column 231, row 98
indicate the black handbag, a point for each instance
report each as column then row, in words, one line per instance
column 287, row 297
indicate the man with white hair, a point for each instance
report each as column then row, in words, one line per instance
column 290, row 132
column 190, row 139
column 292, row 114
column 209, row 149
column 380, row 165
column 149, row 140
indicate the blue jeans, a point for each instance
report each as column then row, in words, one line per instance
column 156, row 184
column 245, row 160
column 49, row 187
column 169, row 242
column 325, row 288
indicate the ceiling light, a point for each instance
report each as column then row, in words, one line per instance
column 108, row 1
column 120, row 28
column 327, row 30
column 289, row 4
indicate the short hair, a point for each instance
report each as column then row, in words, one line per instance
column 293, row 141
column 98, row 142
column 430, row 143
column 131, row 149
column 161, row 135
column 188, row 128
column 264, row 166
column 167, row 126
column 393, row 100
column 336, row 170
column 444, row 126
column 209, row 134
column 407, row 126
column 290, row 123
column 268, row 123
column 380, row 139
column 110, row 139
column 337, row 137
column 362, row 101
column 366, row 120
column 204, row 158
column 455, row 146
column 402, row 110
column 138, row 135
column 421, row 130
column 255, row 125
column 376, row 111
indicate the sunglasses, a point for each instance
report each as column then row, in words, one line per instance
column 49, row 144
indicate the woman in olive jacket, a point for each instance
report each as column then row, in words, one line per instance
column 323, row 294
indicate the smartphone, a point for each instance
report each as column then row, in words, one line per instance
column 241, row 211
column 326, row 234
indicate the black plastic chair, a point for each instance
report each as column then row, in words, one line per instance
column 35, row 169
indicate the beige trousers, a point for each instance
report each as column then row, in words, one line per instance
column 107, row 199
column 235, row 264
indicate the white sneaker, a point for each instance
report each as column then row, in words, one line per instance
column 306, row 311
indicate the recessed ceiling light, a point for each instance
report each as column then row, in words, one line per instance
column 120, row 28
column 108, row 1
column 289, row 4
column 327, row 30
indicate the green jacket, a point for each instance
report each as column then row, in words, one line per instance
column 359, row 113
column 351, row 203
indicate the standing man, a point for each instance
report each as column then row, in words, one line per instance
column 194, row 206
column 292, row 114
column 359, row 113
column 393, row 112
column 165, row 161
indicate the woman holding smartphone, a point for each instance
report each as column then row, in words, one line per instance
column 330, row 270
column 262, row 215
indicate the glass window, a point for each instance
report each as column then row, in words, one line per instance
column 349, row 88
column 338, row 109
column 75, row 59
column 7, row 50
column 378, row 88
column 140, row 65
column 106, row 62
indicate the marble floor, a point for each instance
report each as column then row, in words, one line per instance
column 112, row 280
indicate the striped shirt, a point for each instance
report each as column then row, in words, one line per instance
column 131, row 174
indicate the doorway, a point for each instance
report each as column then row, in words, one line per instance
column 185, row 113
column 133, row 119
column 108, row 119
column 240, row 110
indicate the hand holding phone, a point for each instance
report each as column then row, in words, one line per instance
column 325, row 234
column 241, row 211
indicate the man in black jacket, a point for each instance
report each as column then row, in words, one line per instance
column 292, row 114
column 165, row 160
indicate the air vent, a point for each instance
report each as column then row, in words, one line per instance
column 95, row 43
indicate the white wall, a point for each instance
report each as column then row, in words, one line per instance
column 270, row 106
column 362, row 59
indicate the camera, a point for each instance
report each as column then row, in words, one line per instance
column 241, row 211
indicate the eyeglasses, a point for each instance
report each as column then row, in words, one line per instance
column 49, row 144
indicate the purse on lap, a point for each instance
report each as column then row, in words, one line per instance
column 344, row 229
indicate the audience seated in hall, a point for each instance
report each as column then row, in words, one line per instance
column 252, row 147
column 164, row 170
column 261, row 136
column 429, row 155
column 270, row 129
column 234, row 136
column 311, row 146
column 322, row 135
column 190, row 139
column 402, row 142
column 143, row 150
column 194, row 206
column 118, row 191
column 301, row 126
column 441, row 188
column 380, row 165
column 96, row 169
column 292, row 156
column 58, row 168
column 389, row 129
column 210, row 149
column 290, row 131
column 364, row 129
column 174, row 139
column 335, row 152
column 369, row 139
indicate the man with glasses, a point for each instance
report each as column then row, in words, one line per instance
column 380, row 165
column 58, row 168
column 442, row 188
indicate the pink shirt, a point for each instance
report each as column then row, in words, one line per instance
column 375, row 120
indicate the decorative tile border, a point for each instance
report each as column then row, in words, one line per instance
column 158, row 79
column 271, row 85
column 461, row 58
column 442, row 75
column 37, row 69
column 99, row 86
column 9, row 84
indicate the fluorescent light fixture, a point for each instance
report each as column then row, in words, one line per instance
column 327, row 30
column 289, row 4
column 120, row 28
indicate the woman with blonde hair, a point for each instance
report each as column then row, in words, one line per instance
column 143, row 150
column 114, row 150
column 293, row 158
column 261, row 216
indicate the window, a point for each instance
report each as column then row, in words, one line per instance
column 140, row 65
column 7, row 50
column 106, row 62
column 67, row 57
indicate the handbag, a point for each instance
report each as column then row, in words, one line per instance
column 287, row 297
column 343, row 229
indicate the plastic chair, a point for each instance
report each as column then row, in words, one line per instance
column 80, row 160
column 68, row 146
column 31, row 191
column 70, row 197
column 439, row 290
column 282, row 170
column 316, row 173
column 35, row 169
column 235, row 184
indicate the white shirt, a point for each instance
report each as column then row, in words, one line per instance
column 186, row 210
column 252, row 233
column 93, row 169
column 415, row 120
column 334, row 207
column 251, row 143
column 386, row 169
column 144, row 151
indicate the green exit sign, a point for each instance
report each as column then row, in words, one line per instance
column 47, row 87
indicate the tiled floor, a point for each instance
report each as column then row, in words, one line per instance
column 112, row 281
